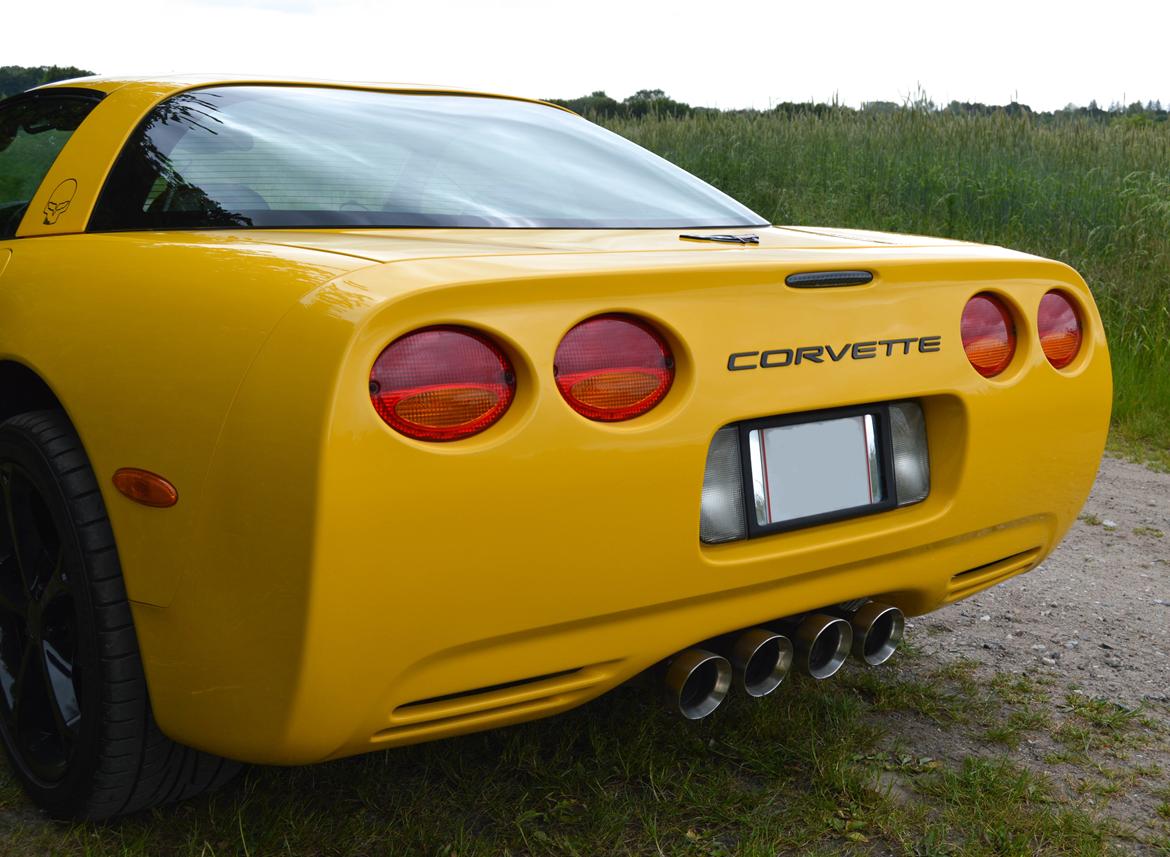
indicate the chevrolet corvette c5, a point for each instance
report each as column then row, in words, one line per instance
column 341, row 417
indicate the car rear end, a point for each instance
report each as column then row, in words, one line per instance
column 577, row 412
column 529, row 566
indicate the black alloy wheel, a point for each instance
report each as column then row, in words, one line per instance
column 75, row 715
column 40, row 702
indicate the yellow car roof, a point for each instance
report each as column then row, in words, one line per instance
column 170, row 84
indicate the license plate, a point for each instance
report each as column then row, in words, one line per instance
column 814, row 470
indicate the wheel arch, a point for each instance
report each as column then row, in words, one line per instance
column 22, row 389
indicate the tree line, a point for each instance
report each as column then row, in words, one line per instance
column 655, row 102
column 15, row 79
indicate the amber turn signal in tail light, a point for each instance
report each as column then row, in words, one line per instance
column 442, row 384
column 613, row 367
column 989, row 334
column 1059, row 327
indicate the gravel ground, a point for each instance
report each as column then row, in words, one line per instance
column 1093, row 620
column 1096, row 613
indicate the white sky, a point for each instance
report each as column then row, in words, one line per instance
column 722, row 54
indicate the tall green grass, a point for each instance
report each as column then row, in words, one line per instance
column 1095, row 195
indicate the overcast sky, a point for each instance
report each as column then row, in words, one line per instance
column 722, row 54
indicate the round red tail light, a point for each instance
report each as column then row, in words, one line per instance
column 1060, row 329
column 441, row 383
column 989, row 334
column 613, row 367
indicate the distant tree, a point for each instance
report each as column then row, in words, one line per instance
column 970, row 108
column 15, row 79
column 1017, row 109
column 597, row 105
column 654, row 101
column 642, row 103
column 806, row 108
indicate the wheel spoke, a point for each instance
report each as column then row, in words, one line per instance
column 13, row 662
column 13, row 599
column 41, row 735
column 17, row 514
column 20, row 684
column 62, row 695
column 13, row 586
column 56, row 583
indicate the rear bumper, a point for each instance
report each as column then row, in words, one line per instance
column 607, row 650
column 360, row 590
column 531, row 592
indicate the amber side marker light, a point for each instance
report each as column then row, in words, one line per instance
column 145, row 487
column 989, row 334
column 441, row 384
column 1059, row 327
column 613, row 367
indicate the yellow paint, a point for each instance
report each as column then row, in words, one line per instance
column 321, row 572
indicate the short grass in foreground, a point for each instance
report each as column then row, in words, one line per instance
column 1095, row 195
column 808, row 770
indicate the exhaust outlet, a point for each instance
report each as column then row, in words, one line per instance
column 697, row 682
column 822, row 644
column 761, row 660
column 877, row 632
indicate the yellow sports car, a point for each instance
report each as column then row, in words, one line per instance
column 337, row 418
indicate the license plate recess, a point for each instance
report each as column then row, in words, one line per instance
column 813, row 468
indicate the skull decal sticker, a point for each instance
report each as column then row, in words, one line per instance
column 59, row 201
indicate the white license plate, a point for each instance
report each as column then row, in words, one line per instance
column 811, row 469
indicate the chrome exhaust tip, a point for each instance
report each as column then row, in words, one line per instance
column 761, row 660
column 822, row 644
column 877, row 632
column 697, row 682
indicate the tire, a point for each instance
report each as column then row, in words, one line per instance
column 75, row 716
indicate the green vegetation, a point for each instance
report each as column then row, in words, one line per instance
column 807, row 771
column 15, row 79
column 1092, row 191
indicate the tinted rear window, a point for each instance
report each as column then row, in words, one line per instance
column 307, row 156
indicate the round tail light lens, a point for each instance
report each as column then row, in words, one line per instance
column 441, row 383
column 613, row 367
column 1060, row 329
column 989, row 334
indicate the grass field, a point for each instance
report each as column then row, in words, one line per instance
column 816, row 769
column 1095, row 195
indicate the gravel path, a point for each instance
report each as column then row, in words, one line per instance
column 1094, row 619
column 1096, row 613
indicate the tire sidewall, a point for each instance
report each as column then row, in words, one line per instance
column 64, row 797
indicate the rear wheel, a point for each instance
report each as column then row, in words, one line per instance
column 75, row 717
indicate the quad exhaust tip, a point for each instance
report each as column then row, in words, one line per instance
column 697, row 682
column 877, row 632
column 761, row 660
column 822, row 644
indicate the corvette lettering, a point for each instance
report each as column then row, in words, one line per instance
column 777, row 357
